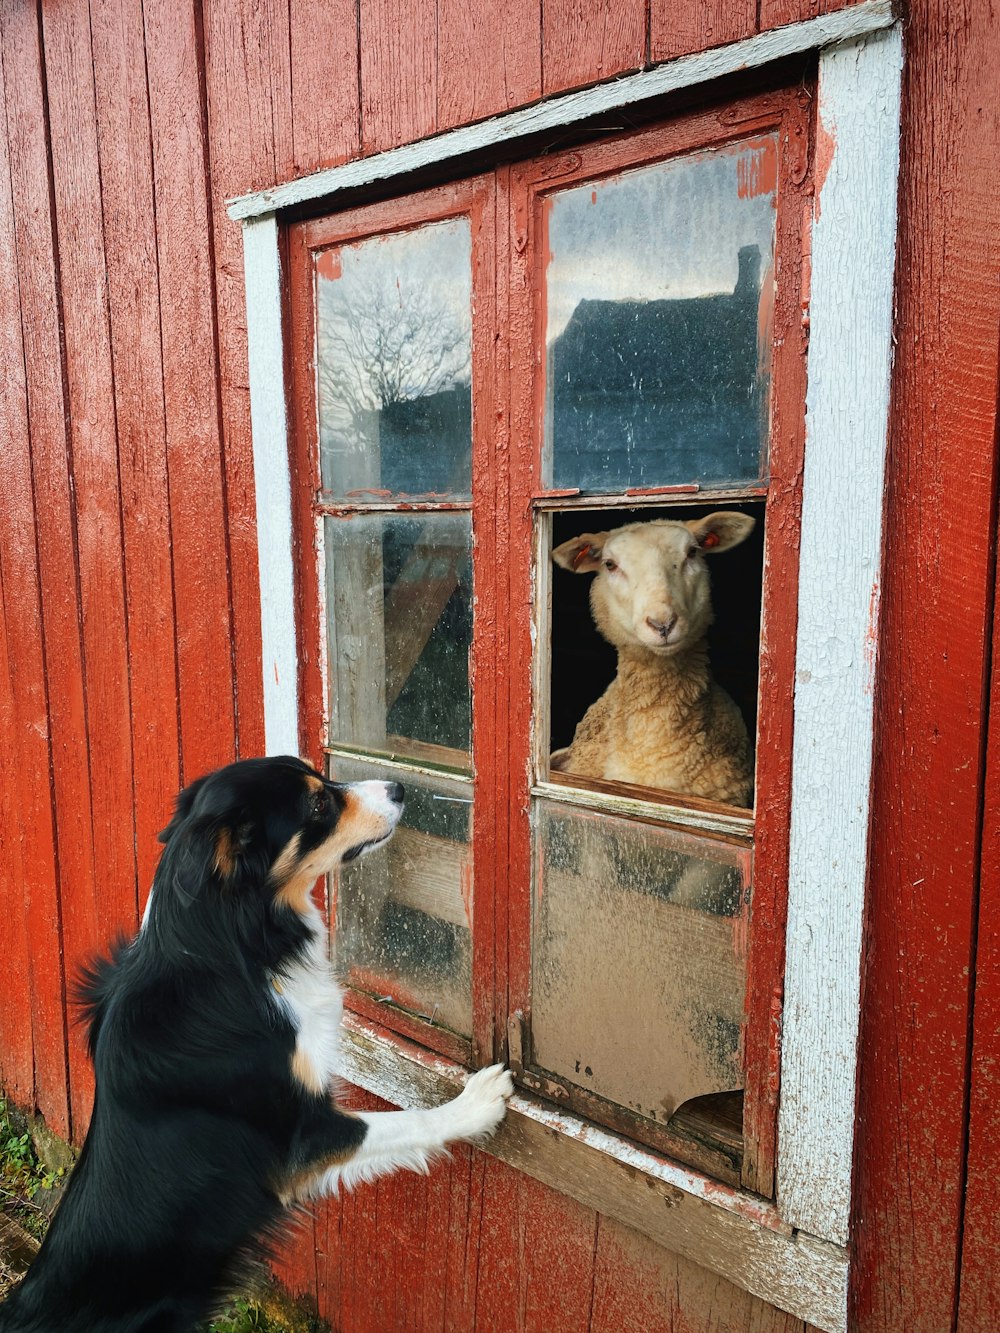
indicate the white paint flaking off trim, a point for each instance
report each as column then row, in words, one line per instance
column 269, row 425
column 847, row 406
column 685, row 72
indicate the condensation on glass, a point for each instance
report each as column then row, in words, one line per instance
column 638, row 959
column 399, row 625
column 659, row 294
column 393, row 364
column 403, row 912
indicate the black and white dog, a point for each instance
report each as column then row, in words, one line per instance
column 214, row 1040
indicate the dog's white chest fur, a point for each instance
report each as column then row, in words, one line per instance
column 312, row 1000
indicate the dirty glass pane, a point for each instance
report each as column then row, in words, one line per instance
column 393, row 364
column 659, row 293
column 638, row 959
column 404, row 912
column 399, row 618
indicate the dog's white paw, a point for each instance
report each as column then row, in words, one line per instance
column 482, row 1103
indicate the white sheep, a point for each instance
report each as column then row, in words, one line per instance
column 663, row 721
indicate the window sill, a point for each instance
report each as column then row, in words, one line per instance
column 734, row 1234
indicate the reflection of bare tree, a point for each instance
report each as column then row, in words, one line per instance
column 382, row 344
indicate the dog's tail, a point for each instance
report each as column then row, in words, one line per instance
column 90, row 989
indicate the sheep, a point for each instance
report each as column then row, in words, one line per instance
column 663, row 721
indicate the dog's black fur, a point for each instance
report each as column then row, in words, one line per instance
column 199, row 1123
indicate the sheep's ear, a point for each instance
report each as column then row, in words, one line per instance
column 581, row 554
column 721, row 531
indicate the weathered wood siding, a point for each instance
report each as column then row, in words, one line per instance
column 130, row 644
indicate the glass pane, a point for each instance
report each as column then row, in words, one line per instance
column 638, row 970
column 659, row 291
column 399, row 617
column 393, row 364
column 404, row 912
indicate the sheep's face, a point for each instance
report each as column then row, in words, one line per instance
column 652, row 588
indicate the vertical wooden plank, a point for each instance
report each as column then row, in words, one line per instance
column 16, row 1041
column 398, row 72
column 500, row 1261
column 38, row 493
column 249, row 85
column 191, row 391
column 326, row 1227
column 22, row 626
column 295, row 1264
column 560, row 1241
column 584, row 41
column 123, row 132
column 462, row 1243
column 325, row 85
column 696, row 25
column 932, row 677
column 248, row 77
column 79, row 224
column 489, row 59
column 979, row 1279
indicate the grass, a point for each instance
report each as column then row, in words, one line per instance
column 26, row 1184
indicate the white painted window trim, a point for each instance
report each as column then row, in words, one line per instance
column 847, row 407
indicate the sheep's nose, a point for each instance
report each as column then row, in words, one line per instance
column 661, row 627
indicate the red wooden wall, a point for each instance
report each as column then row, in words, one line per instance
column 130, row 652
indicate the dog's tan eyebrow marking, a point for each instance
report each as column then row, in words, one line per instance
column 313, row 783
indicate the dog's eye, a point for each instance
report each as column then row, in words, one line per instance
column 320, row 803
column 610, row 566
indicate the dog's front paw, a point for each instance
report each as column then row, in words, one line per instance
column 482, row 1103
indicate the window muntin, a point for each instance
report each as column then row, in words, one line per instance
column 659, row 284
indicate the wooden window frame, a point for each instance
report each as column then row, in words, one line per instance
column 523, row 192
column 793, row 1252
column 474, row 198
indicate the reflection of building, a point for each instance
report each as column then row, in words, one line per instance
column 409, row 447
column 635, row 383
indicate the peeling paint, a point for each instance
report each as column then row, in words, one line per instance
column 328, row 264
column 757, row 171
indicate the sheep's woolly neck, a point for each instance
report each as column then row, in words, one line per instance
column 664, row 722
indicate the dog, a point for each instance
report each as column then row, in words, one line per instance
column 213, row 1035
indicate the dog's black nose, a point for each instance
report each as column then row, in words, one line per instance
column 395, row 792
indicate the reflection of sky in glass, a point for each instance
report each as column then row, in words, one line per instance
column 666, row 231
column 372, row 293
column 394, row 350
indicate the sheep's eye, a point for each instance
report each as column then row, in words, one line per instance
column 691, row 553
column 610, row 566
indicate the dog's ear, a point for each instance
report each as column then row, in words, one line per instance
column 185, row 803
column 204, row 849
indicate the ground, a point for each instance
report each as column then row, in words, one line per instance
column 29, row 1192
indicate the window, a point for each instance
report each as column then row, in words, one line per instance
column 834, row 280
column 484, row 374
